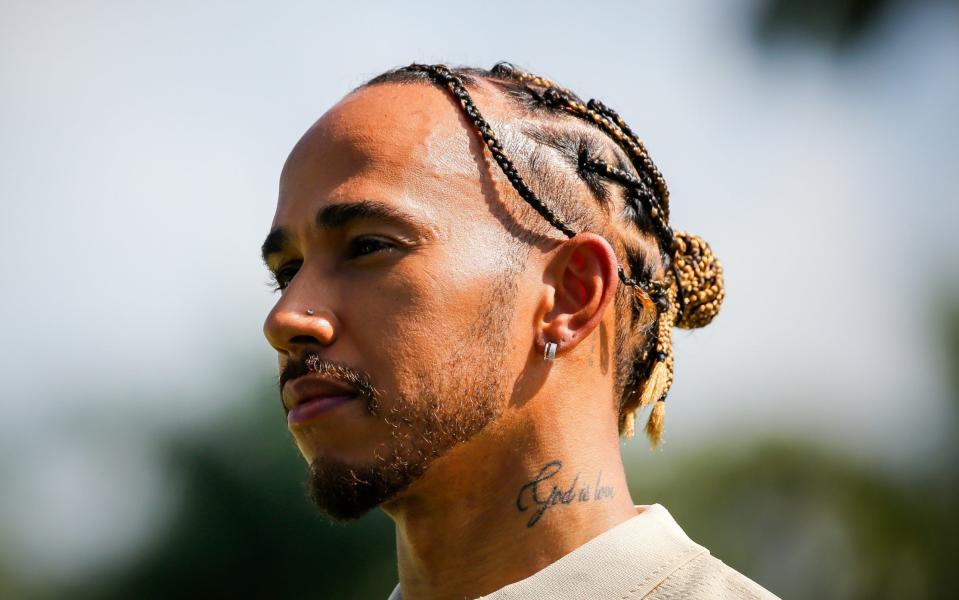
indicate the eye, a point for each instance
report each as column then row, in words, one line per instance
column 283, row 275
column 358, row 247
column 362, row 246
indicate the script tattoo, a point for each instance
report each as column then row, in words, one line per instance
column 534, row 495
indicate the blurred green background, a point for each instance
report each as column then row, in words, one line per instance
column 813, row 432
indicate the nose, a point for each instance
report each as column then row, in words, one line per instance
column 294, row 324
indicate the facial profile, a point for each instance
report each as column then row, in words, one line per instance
column 377, row 230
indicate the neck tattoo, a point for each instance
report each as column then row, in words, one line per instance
column 538, row 494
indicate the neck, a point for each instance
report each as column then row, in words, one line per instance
column 515, row 498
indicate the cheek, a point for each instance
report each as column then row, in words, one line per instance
column 413, row 320
column 407, row 315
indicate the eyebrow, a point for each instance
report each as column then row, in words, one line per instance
column 337, row 216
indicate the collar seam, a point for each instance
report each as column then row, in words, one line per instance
column 676, row 561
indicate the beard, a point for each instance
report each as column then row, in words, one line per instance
column 453, row 402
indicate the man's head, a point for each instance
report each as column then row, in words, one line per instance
column 417, row 223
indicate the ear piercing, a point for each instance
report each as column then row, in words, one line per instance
column 310, row 312
column 549, row 352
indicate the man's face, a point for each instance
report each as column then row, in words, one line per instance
column 406, row 273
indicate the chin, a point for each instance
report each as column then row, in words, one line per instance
column 358, row 448
column 346, row 491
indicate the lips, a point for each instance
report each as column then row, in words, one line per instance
column 309, row 396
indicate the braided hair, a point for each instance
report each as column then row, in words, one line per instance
column 692, row 290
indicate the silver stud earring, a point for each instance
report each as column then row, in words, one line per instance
column 549, row 352
column 310, row 312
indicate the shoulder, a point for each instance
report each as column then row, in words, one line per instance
column 705, row 576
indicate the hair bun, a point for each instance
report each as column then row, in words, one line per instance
column 698, row 278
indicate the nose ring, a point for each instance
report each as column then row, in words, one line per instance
column 310, row 311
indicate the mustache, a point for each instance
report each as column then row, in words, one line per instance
column 312, row 363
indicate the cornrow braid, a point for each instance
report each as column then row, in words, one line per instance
column 597, row 113
column 647, row 161
column 664, row 231
column 691, row 293
column 442, row 75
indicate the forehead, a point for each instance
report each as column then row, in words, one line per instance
column 406, row 144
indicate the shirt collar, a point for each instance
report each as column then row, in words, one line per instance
column 632, row 557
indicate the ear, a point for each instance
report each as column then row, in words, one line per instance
column 583, row 280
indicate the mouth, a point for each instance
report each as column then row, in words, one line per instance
column 313, row 408
column 312, row 396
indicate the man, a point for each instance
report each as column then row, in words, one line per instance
column 478, row 282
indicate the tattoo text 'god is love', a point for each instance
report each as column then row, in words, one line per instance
column 539, row 493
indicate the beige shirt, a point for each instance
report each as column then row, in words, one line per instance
column 648, row 556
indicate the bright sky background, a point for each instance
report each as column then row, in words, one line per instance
column 141, row 144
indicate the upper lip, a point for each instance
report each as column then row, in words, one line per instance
column 311, row 387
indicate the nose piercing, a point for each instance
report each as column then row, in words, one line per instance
column 549, row 352
column 310, row 311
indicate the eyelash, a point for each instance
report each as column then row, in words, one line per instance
column 279, row 282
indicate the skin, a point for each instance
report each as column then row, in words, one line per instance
column 460, row 531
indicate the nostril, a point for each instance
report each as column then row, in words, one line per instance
column 304, row 339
